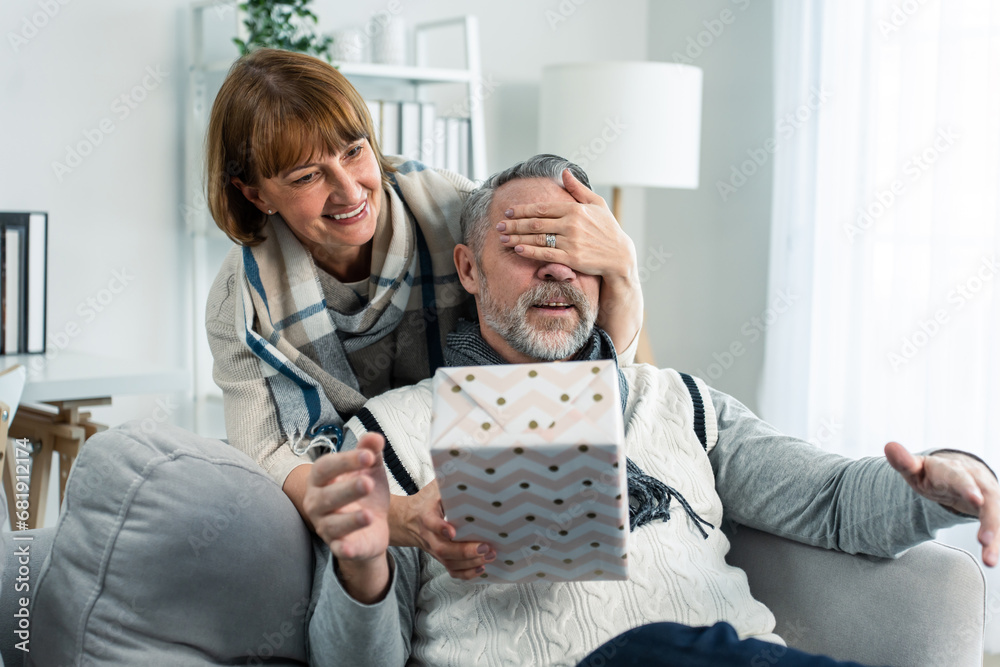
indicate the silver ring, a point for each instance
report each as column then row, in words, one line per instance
column 550, row 240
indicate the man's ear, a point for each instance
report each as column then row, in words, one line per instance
column 468, row 270
column 251, row 193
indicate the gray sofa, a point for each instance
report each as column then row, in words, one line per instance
column 178, row 550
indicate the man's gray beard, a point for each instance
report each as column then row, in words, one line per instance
column 556, row 341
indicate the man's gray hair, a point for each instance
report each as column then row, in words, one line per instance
column 476, row 212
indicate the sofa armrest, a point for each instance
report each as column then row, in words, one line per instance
column 927, row 607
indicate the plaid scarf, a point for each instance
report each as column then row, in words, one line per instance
column 649, row 498
column 303, row 343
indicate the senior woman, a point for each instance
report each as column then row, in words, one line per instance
column 342, row 284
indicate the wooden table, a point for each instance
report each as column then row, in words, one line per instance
column 57, row 387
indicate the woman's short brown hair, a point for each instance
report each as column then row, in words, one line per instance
column 274, row 109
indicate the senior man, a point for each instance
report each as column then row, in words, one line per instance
column 682, row 603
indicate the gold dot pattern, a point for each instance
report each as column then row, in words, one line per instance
column 534, row 424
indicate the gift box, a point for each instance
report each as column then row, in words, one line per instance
column 530, row 459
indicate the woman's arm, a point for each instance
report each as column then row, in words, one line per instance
column 588, row 240
column 251, row 417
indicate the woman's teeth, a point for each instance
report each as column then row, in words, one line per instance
column 351, row 214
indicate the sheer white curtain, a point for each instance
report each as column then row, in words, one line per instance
column 886, row 226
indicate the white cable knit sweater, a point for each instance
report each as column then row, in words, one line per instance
column 674, row 573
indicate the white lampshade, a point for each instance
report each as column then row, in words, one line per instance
column 625, row 123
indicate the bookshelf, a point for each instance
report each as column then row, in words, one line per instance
column 213, row 24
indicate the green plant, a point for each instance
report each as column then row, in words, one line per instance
column 280, row 24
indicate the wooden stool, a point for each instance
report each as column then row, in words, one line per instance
column 62, row 433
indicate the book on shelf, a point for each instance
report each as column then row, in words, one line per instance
column 414, row 131
column 23, row 258
column 409, row 130
column 390, row 128
column 428, row 118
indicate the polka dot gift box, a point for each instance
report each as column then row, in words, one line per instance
column 530, row 458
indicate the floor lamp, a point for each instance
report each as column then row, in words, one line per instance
column 626, row 124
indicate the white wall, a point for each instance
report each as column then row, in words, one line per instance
column 704, row 299
column 117, row 207
column 518, row 38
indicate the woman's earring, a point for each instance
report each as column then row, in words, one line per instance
column 270, row 212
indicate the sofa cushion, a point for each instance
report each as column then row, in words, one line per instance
column 172, row 549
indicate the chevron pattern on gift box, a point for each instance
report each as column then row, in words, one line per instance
column 529, row 459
